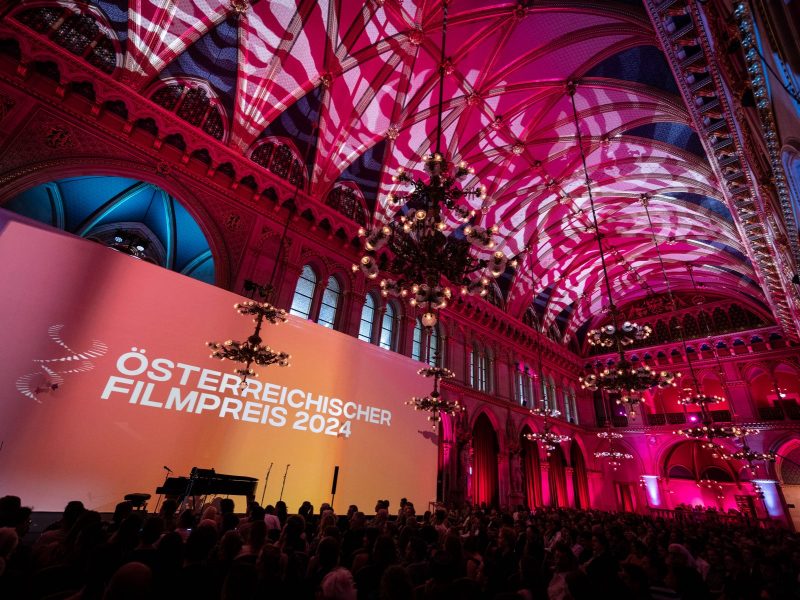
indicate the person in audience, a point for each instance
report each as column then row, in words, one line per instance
column 480, row 553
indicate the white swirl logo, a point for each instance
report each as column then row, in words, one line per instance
column 51, row 370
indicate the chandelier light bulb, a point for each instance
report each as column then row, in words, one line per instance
column 429, row 319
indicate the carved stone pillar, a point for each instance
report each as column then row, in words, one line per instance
column 596, row 480
column 568, row 471
column 503, row 487
column 517, row 494
column 446, row 469
column 544, row 468
column 351, row 312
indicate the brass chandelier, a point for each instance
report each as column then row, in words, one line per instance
column 623, row 379
column 549, row 439
column 434, row 403
column 426, row 244
column 252, row 351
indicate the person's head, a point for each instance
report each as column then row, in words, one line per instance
column 151, row 530
column 599, row 543
column 229, row 522
column 328, row 553
column 396, row 584
column 72, row 511
column 9, row 505
column 230, row 545
column 563, row 557
column 8, row 541
column 257, row 513
column 257, row 534
column 226, row 506
column 186, row 519
column 168, row 508
column 679, row 556
column 132, row 581
column 338, row 585
column 121, row 511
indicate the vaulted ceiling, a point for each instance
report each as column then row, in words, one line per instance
column 352, row 87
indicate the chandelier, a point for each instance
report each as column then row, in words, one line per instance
column 700, row 399
column 712, row 486
column 626, row 379
column 130, row 243
column 546, row 437
column 613, row 457
column 623, row 378
column 708, row 432
column 746, row 454
column 432, row 230
column 435, row 403
column 252, row 351
column 609, row 336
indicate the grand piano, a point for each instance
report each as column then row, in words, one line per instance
column 205, row 482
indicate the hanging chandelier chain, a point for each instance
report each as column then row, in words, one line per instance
column 442, row 59
column 646, row 203
column 571, row 88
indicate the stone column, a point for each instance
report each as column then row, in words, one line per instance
column 741, row 400
column 544, row 468
column 503, row 488
column 351, row 312
column 568, row 471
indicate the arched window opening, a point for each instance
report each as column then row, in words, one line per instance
column 567, row 407
column 367, row 319
column 386, row 339
column 523, row 386
column 82, row 34
column 478, row 369
column 281, row 159
column 330, row 303
column 304, row 293
column 347, row 201
column 193, row 102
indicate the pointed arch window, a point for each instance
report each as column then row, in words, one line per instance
column 367, row 319
column 523, row 386
column 330, row 303
column 387, row 328
column 479, row 368
column 304, row 293
column 195, row 102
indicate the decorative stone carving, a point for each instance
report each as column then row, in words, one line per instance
column 58, row 137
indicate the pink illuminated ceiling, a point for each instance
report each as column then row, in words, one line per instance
column 354, row 85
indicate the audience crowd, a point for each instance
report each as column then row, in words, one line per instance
column 471, row 553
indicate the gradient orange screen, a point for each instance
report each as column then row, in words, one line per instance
column 74, row 311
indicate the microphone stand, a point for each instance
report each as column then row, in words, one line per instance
column 284, row 482
column 160, row 496
column 266, row 481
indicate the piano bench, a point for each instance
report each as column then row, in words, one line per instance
column 139, row 501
